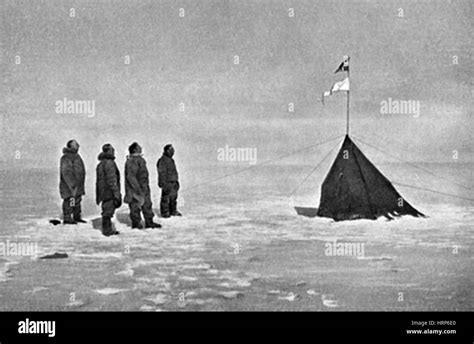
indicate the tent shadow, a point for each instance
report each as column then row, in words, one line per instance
column 308, row 212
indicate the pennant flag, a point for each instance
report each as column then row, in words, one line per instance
column 344, row 66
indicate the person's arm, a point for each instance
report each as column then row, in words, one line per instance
column 111, row 178
column 161, row 173
column 67, row 172
column 131, row 177
column 97, row 188
column 83, row 172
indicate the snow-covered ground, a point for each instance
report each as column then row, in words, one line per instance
column 244, row 250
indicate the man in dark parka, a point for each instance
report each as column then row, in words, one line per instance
column 168, row 182
column 137, row 188
column 108, row 188
column 71, row 185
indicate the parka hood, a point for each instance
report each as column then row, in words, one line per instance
column 104, row 155
column 69, row 150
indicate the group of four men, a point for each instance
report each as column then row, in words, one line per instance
column 108, row 192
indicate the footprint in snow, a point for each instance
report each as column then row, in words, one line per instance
column 291, row 297
column 159, row 299
column 35, row 290
column 328, row 301
column 230, row 294
column 312, row 292
column 77, row 303
column 274, row 292
column 128, row 272
column 110, row 291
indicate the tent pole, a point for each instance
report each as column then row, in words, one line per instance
column 347, row 120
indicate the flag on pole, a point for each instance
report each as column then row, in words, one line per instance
column 340, row 86
column 344, row 66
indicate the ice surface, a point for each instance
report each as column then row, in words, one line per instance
column 184, row 255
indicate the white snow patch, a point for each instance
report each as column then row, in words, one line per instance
column 110, row 291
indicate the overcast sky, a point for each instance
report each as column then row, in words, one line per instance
column 399, row 50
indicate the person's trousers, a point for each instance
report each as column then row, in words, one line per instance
column 72, row 206
column 136, row 210
column 169, row 198
column 108, row 210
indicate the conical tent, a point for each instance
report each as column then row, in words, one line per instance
column 355, row 189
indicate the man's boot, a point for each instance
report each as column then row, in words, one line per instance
column 174, row 211
column 137, row 224
column 76, row 212
column 107, row 229
column 106, row 225
column 68, row 220
column 174, row 205
column 79, row 219
column 150, row 224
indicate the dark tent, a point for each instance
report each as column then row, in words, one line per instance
column 355, row 189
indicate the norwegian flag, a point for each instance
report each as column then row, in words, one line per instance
column 344, row 66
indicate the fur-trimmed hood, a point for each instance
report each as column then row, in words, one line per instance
column 69, row 150
column 106, row 155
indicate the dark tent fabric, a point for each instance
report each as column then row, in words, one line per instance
column 355, row 189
